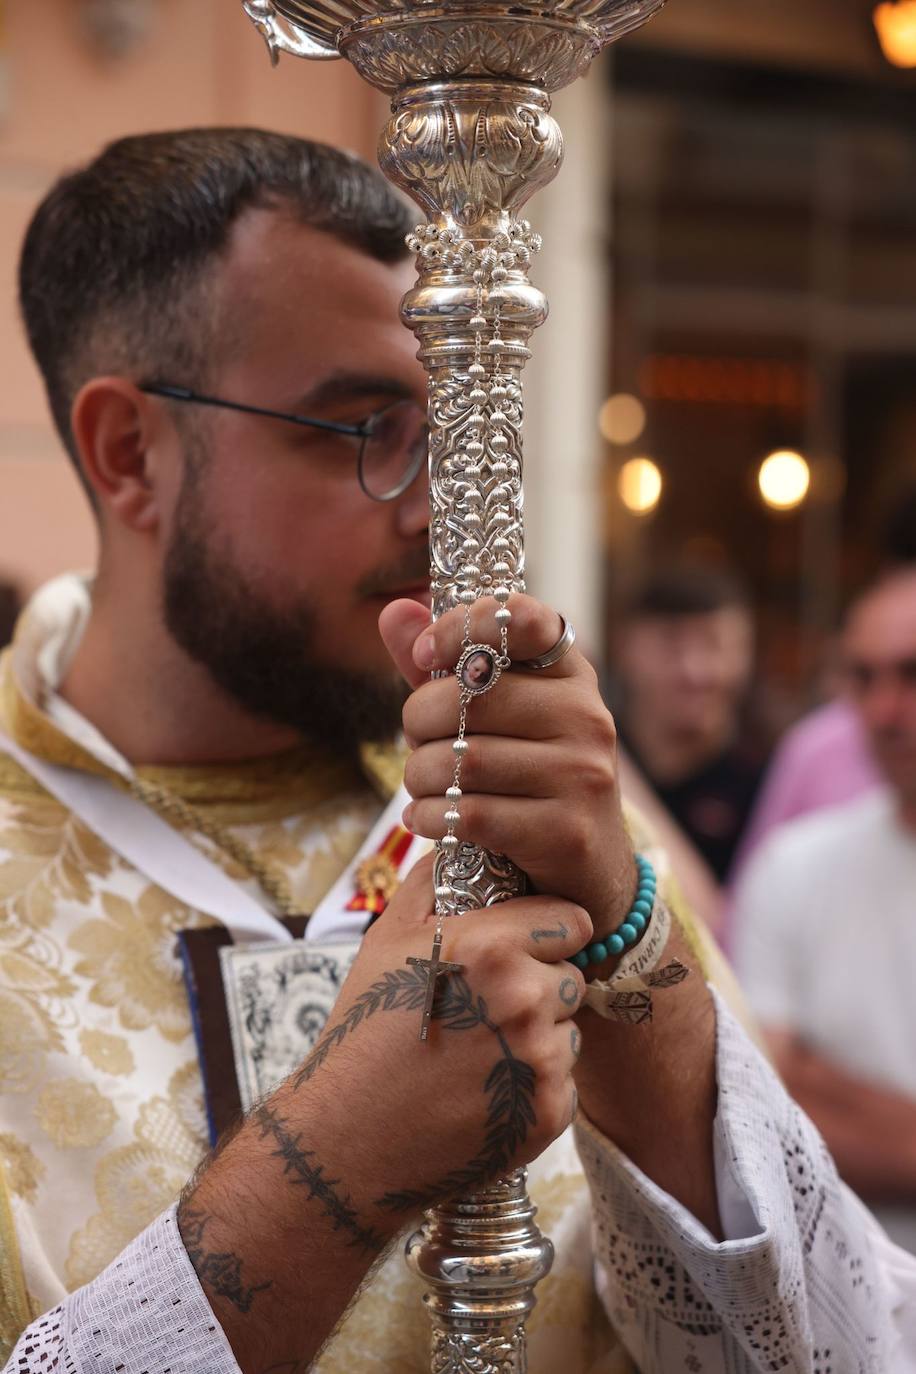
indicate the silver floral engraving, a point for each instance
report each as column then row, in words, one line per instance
column 418, row 40
column 522, row 144
column 456, row 1352
column 470, row 138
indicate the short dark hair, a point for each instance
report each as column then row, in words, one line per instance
column 685, row 589
column 112, row 274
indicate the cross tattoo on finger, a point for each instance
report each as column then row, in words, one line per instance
column 435, row 968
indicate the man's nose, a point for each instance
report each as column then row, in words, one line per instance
column 696, row 669
column 413, row 506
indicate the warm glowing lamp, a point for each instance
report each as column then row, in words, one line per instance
column 622, row 418
column 640, row 485
column 895, row 24
column 784, row 479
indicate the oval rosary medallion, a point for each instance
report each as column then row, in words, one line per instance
column 478, row 669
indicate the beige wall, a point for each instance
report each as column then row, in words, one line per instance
column 200, row 63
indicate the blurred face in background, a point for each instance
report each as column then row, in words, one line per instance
column 879, row 652
column 685, row 675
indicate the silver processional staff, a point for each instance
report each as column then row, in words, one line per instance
column 470, row 138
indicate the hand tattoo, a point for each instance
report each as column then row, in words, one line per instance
column 510, row 1113
column 569, row 992
column 575, row 1041
column 402, row 990
column 559, row 934
column 220, row 1271
column 301, row 1164
column 510, row 1083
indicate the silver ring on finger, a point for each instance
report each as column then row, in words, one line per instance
column 560, row 650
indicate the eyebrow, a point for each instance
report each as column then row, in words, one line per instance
column 347, row 386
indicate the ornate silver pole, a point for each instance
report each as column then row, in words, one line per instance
column 470, row 138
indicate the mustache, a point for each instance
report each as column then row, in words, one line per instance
column 410, row 571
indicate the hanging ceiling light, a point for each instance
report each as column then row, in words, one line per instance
column 784, row 479
column 640, row 483
column 895, row 25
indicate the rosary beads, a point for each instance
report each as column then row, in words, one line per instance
column 485, row 475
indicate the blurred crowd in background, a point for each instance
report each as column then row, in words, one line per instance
column 754, row 452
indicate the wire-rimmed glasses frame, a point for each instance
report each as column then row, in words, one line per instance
column 377, row 427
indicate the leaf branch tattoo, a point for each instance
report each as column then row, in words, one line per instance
column 219, row 1270
column 301, row 1164
column 510, row 1113
column 400, row 990
column 510, row 1083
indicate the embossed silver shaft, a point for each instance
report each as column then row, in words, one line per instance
column 470, row 138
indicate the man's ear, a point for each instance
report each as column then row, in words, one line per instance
column 114, row 428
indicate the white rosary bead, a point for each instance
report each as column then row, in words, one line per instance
column 468, row 596
column 450, row 842
column 503, row 616
column 452, row 817
column 454, row 793
column 460, row 746
column 502, row 594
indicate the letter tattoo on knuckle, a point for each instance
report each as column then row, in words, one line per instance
column 557, row 933
column 569, row 992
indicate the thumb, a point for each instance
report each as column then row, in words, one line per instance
column 400, row 625
column 413, row 902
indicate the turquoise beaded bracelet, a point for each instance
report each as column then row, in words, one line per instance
column 630, row 929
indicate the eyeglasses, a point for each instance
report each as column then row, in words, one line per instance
column 392, row 442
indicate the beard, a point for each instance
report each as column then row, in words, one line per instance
column 262, row 657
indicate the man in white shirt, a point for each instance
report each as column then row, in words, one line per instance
column 825, row 927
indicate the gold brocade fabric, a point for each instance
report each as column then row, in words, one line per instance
column 101, row 1112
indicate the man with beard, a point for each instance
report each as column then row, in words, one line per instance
column 215, row 316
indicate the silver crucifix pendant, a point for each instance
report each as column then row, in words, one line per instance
column 435, row 968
